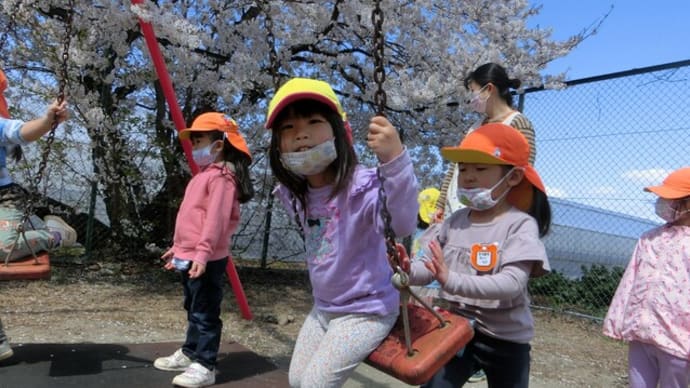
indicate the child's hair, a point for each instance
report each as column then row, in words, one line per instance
column 497, row 75
column 343, row 166
column 540, row 208
column 239, row 160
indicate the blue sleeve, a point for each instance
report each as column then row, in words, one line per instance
column 10, row 132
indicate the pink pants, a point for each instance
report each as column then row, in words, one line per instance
column 649, row 366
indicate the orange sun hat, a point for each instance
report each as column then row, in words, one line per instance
column 675, row 186
column 497, row 143
column 216, row 121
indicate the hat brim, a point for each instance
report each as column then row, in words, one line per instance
column 667, row 192
column 459, row 155
column 290, row 98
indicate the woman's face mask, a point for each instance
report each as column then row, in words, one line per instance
column 477, row 102
column 312, row 161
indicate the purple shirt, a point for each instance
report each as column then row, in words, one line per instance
column 345, row 246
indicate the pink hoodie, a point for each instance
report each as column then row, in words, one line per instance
column 208, row 216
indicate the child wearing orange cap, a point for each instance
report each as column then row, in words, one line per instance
column 484, row 254
column 208, row 216
column 336, row 203
column 651, row 307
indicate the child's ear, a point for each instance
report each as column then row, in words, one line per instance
column 516, row 176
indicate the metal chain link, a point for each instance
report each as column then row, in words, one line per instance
column 380, row 103
column 10, row 24
column 379, row 71
column 32, row 197
column 63, row 79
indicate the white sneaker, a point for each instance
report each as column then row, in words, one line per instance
column 5, row 350
column 176, row 362
column 67, row 233
column 195, row 376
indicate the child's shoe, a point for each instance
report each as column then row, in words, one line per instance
column 477, row 376
column 68, row 236
column 195, row 376
column 177, row 362
column 5, row 350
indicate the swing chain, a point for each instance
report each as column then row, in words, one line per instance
column 10, row 24
column 271, row 42
column 379, row 71
column 63, row 79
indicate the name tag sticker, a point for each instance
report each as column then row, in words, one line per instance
column 484, row 256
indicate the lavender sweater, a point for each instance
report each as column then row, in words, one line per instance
column 345, row 247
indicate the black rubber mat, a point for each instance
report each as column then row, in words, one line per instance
column 88, row 365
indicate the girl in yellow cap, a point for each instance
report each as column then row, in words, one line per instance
column 336, row 204
column 209, row 215
column 484, row 254
column 651, row 308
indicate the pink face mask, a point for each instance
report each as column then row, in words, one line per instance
column 477, row 103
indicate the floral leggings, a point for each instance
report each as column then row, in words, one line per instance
column 330, row 346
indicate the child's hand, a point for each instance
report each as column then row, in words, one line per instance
column 383, row 139
column 403, row 257
column 437, row 264
column 167, row 256
column 197, row 270
column 57, row 112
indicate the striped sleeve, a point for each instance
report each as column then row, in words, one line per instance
column 522, row 124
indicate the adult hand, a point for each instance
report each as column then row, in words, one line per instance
column 167, row 256
column 383, row 139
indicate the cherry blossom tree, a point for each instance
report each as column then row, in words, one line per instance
column 218, row 54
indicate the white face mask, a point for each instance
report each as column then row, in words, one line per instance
column 203, row 156
column 480, row 198
column 312, row 161
column 667, row 209
column 477, row 103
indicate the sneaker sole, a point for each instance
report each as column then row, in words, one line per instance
column 168, row 369
column 6, row 355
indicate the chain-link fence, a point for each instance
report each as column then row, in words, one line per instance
column 600, row 141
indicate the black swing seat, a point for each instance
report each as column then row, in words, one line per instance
column 26, row 268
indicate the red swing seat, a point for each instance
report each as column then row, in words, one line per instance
column 27, row 268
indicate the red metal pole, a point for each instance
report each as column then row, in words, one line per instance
column 166, row 84
column 178, row 119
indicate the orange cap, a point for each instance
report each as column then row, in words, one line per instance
column 498, row 143
column 4, row 111
column 675, row 186
column 215, row 121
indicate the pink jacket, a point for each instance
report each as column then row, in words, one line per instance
column 652, row 302
column 208, row 216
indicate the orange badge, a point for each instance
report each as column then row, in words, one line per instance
column 484, row 256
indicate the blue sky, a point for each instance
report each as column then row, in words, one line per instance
column 601, row 169
column 637, row 33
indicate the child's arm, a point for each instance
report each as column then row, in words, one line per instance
column 34, row 129
column 396, row 169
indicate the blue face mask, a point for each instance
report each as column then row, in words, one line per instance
column 203, row 156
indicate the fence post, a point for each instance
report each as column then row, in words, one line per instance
column 89, row 221
column 267, row 229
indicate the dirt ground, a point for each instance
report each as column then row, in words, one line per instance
column 109, row 302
